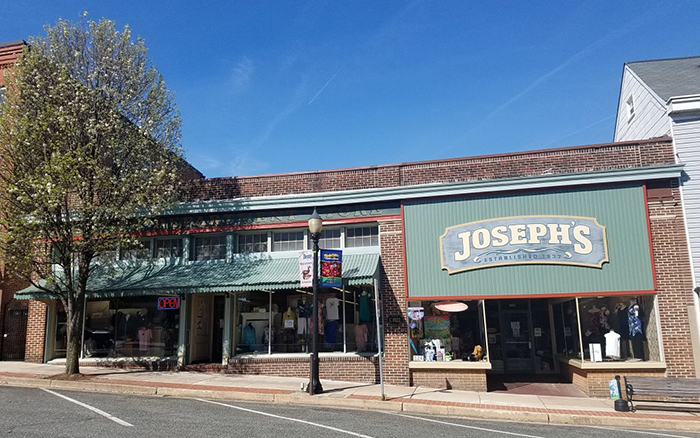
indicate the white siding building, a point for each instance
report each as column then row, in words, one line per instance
column 659, row 98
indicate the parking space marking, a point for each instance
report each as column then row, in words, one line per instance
column 92, row 408
column 287, row 418
column 483, row 429
column 638, row 431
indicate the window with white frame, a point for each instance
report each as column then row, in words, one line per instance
column 210, row 248
column 252, row 243
column 141, row 250
column 630, row 108
column 288, row 241
column 168, row 248
column 362, row 236
column 330, row 239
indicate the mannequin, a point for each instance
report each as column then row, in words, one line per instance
column 249, row 336
column 289, row 319
column 612, row 345
column 636, row 331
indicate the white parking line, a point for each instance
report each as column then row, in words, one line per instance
column 639, row 431
column 92, row 408
column 467, row 427
column 287, row 418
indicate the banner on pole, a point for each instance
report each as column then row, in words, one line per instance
column 306, row 263
column 331, row 263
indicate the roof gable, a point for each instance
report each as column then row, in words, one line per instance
column 670, row 77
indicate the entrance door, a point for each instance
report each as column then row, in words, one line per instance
column 218, row 329
column 517, row 341
column 201, row 328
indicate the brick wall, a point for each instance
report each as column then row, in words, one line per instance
column 394, row 302
column 563, row 160
column 463, row 380
column 36, row 332
column 595, row 382
column 673, row 281
column 8, row 56
column 348, row 368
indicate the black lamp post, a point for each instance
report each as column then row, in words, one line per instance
column 315, row 225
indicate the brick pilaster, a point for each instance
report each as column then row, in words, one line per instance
column 36, row 332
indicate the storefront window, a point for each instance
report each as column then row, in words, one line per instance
column 347, row 321
column 619, row 328
column 129, row 327
column 447, row 331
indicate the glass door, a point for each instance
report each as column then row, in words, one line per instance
column 517, row 341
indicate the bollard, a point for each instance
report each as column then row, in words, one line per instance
column 620, row 404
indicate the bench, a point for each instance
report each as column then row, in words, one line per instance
column 672, row 387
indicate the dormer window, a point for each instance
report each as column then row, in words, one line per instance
column 630, row 108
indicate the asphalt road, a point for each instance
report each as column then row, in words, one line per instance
column 33, row 412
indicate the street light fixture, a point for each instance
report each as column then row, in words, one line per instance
column 315, row 225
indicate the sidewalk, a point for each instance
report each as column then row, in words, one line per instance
column 418, row 400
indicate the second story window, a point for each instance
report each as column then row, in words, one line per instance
column 142, row 250
column 288, row 241
column 168, row 248
column 630, row 108
column 210, row 248
column 330, row 239
column 251, row 243
column 362, row 236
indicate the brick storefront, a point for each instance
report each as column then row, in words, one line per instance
column 671, row 269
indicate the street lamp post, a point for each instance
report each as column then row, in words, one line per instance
column 315, row 225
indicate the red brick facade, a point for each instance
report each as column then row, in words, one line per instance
column 36, row 332
column 348, row 369
column 521, row 164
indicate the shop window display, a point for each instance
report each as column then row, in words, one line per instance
column 346, row 321
column 620, row 328
column 129, row 327
column 447, row 331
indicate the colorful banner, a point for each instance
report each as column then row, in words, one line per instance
column 306, row 273
column 331, row 262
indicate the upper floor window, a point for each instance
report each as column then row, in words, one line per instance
column 630, row 108
column 288, row 241
column 2, row 94
column 141, row 250
column 168, row 248
column 252, row 243
column 210, row 248
column 329, row 239
column 362, row 236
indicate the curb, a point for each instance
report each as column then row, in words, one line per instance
column 351, row 403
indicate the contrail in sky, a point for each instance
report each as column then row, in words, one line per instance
column 329, row 81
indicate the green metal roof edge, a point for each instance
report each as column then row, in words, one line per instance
column 428, row 190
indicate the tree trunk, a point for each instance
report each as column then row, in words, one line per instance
column 74, row 326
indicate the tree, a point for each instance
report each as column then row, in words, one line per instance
column 89, row 152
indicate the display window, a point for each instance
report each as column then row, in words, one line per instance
column 129, row 327
column 447, row 331
column 619, row 328
column 347, row 321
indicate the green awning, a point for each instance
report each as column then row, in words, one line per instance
column 244, row 273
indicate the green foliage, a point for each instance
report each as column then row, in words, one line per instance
column 89, row 150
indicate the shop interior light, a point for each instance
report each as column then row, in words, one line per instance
column 451, row 306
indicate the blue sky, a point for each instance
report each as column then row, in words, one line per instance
column 284, row 86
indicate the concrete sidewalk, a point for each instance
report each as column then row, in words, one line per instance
column 419, row 400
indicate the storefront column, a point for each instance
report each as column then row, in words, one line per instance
column 228, row 328
column 183, row 333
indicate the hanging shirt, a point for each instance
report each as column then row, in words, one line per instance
column 249, row 335
column 302, row 308
column 332, row 309
column 145, row 336
column 612, row 345
column 635, row 323
column 365, row 312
